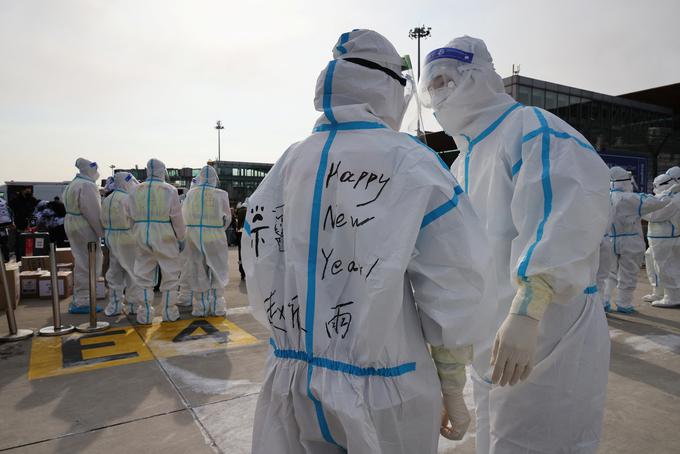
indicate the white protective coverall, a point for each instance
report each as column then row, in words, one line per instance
column 540, row 190
column 158, row 225
column 359, row 247
column 663, row 233
column 82, row 225
column 625, row 234
column 206, row 214
column 605, row 265
column 122, row 246
column 186, row 294
column 650, row 265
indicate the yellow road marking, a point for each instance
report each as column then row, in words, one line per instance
column 185, row 337
column 75, row 353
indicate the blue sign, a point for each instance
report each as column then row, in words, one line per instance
column 637, row 165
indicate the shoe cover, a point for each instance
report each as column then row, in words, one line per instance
column 626, row 310
column 145, row 313
column 131, row 310
column 170, row 313
column 113, row 308
column 607, row 307
column 73, row 309
column 671, row 298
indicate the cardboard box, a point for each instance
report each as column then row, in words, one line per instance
column 14, row 283
column 29, row 283
column 64, row 267
column 64, row 284
column 64, row 255
column 36, row 262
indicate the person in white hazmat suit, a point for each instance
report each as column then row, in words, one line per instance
column 625, row 234
column 663, row 233
column 82, row 224
column 661, row 183
column 360, row 247
column 540, row 190
column 206, row 214
column 158, row 227
column 122, row 247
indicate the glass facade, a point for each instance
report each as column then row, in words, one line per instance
column 239, row 179
column 612, row 124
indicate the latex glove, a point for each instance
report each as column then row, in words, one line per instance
column 456, row 413
column 513, row 350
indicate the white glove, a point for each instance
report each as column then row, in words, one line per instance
column 455, row 412
column 513, row 350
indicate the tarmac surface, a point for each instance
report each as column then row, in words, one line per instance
column 192, row 385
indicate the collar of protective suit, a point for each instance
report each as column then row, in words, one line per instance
column 477, row 101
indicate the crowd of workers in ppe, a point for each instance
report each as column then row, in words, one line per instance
column 623, row 247
column 149, row 233
column 383, row 273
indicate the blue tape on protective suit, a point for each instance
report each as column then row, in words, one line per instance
column 547, row 194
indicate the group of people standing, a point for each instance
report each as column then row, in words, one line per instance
column 382, row 272
column 148, row 233
column 623, row 248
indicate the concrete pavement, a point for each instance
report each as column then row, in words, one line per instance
column 191, row 386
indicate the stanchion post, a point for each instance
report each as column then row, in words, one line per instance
column 15, row 334
column 93, row 325
column 57, row 329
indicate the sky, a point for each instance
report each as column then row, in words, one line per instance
column 119, row 81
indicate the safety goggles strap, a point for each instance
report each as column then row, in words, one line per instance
column 372, row 65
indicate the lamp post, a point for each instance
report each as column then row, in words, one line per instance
column 219, row 128
column 112, row 166
column 418, row 33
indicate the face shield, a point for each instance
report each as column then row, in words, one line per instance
column 412, row 122
column 440, row 73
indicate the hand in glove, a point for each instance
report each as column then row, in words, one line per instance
column 515, row 345
column 455, row 413
column 513, row 350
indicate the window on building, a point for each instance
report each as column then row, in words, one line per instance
column 524, row 95
column 236, row 172
column 550, row 100
column 538, row 97
column 575, row 109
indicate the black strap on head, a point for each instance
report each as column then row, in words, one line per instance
column 372, row 65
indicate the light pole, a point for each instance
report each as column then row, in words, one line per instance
column 219, row 128
column 417, row 33
column 112, row 167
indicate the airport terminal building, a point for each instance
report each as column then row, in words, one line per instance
column 638, row 131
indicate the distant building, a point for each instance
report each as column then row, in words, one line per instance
column 639, row 131
column 239, row 179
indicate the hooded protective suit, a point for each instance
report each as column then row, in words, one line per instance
column 605, row 265
column 206, row 214
column 628, row 245
column 122, row 246
column 540, row 190
column 358, row 247
column 82, row 225
column 158, row 225
column 663, row 233
column 661, row 183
